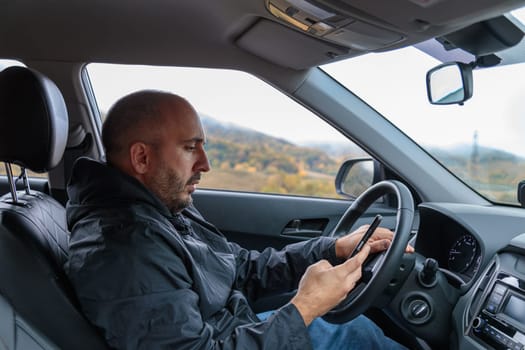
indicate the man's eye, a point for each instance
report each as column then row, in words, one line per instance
column 190, row 148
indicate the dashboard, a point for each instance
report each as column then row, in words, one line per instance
column 478, row 298
column 494, row 316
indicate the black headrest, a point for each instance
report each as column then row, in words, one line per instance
column 33, row 120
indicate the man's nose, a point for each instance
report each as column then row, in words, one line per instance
column 203, row 164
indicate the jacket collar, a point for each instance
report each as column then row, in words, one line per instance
column 96, row 183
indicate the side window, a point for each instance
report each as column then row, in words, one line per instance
column 259, row 140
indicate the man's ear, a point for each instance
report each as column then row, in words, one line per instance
column 140, row 157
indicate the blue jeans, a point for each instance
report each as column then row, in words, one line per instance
column 360, row 333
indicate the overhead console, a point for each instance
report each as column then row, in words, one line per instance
column 332, row 25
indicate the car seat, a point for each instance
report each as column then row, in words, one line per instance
column 38, row 309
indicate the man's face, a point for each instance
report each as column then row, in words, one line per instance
column 178, row 159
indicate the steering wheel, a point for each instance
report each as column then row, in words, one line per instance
column 382, row 266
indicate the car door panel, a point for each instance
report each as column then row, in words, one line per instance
column 257, row 220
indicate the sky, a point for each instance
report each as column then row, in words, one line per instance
column 496, row 111
column 229, row 96
column 393, row 83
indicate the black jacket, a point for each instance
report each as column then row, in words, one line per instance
column 150, row 279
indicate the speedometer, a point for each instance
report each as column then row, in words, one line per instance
column 462, row 253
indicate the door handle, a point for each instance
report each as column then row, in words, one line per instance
column 305, row 227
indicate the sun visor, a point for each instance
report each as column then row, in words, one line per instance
column 289, row 48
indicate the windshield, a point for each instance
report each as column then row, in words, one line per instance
column 482, row 142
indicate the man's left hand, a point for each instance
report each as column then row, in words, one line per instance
column 379, row 241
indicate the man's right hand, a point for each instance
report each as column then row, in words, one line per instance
column 323, row 286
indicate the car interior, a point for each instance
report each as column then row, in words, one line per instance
column 463, row 288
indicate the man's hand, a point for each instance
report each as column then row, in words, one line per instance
column 379, row 241
column 323, row 286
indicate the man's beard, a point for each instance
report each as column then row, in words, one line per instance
column 169, row 187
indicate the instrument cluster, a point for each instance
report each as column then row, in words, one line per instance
column 451, row 245
column 464, row 255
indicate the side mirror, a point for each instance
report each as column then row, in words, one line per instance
column 449, row 83
column 355, row 176
column 521, row 193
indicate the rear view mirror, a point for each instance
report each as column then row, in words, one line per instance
column 449, row 83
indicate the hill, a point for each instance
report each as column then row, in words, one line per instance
column 492, row 172
column 231, row 146
column 247, row 160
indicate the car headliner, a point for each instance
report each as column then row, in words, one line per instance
column 208, row 33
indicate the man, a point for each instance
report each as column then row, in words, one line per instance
column 151, row 273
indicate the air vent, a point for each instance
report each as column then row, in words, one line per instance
column 477, row 299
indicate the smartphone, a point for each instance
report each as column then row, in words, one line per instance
column 367, row 235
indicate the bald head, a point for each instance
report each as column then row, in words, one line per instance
column 157, row 138
column 139, row 117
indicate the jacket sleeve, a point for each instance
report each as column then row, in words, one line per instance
column 171, row 320
column 271, row 271
column 141, row 302
column 275, row 271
